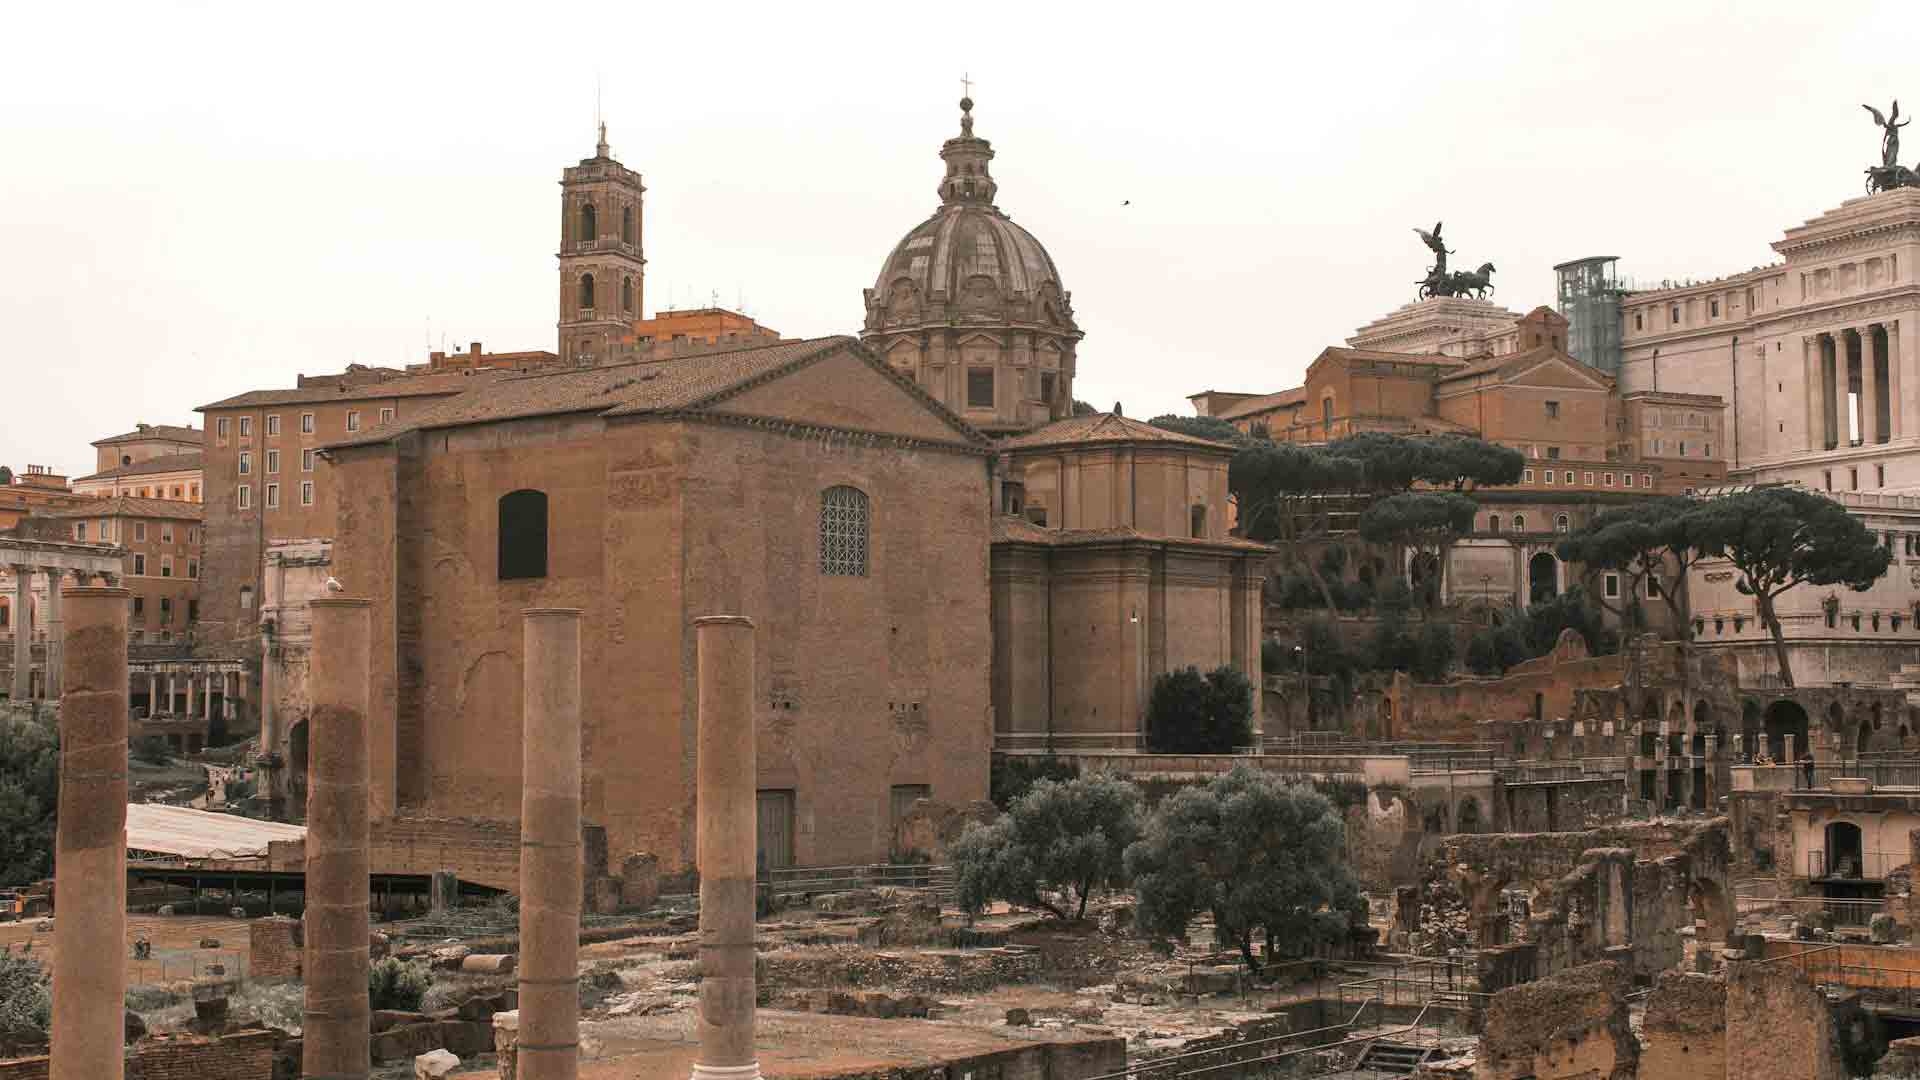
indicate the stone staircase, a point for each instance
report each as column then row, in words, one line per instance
column 1390, row 1059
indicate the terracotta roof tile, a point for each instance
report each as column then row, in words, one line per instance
column 1103, row 428
column 674, row 384
column 408, row 386
column 165, row 464
column 167, row 432
column 1265, row 403
column 132, row 506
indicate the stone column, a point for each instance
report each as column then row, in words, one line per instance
column 1903, row 382
column 335, row 1046
column 1842, row 384
column 192, row 679
column 279, row 780
column 153, row 692
column 1869, row 394
column 1810, row 389
column 206, row 699
column 727, row 841
column 90, row 852
column 550, row 877
column 169, row 708
column 22, row 634
column 56, row 633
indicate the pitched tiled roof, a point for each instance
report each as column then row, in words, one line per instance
column 1008, row 528
column 166, row 464
column 150, row 432
column 1265, row 403
column 1104, row 428
column 132, row 506
column 409, row 386
column 1512, row 364
column 677, row 384
column 1341, row 352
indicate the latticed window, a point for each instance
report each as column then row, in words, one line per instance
column 843, row 532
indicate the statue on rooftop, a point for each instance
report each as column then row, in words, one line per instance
column 1889, row 174
column 1439, row 282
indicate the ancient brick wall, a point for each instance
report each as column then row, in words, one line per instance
column 1571, row 1026
column 1778, row 1026
column 1683, row 1034
column 1563, row 806
column 1543, row 686
column 274, row 948
column 246, row 1055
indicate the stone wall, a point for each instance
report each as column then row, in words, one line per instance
column 1563, row 805
column 1683, row 1034
column 1779, row 1027
column 1570, row 1026
column 1541, row 688
column 246, row 1055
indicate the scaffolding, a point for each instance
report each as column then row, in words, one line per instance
column 1589, row 292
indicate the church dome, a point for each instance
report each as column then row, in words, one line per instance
column 987, row 286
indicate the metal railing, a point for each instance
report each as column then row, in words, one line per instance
column 1865, row 866
column 1176, row 1066
column 802, row 880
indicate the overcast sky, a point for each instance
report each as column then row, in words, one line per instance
column 198, row 200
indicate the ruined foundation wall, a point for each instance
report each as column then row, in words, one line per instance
column 1572, row 1026
column 1683, row 1034
column 1778, row 1026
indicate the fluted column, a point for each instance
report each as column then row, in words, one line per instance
column 724, row 802
column 335, row 1046
column 1870, row 432
column 56, row 631
column 1900, row 406
column 1810, row 393
column 22, row 633
column 549, row 1043
column 90, row 853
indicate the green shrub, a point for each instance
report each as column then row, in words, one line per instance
column 26, row 1003
column 1433, row 653
column 1011, row 777
column 1056, row 846
column 151, row 749
column 1191, row 713
column 397, row 985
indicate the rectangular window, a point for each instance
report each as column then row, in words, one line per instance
column 1707, row 451
column 1683, row 448
column 139, row 607
column 1653, row 589
column 273, row 424
column 193, row 609
column 166, row 532
column 1713, row 309
column 1553, row 453
column 166, row 610
column 1546, row 476
column 273, row 496
column 1827, row 476
column 79, row 530
column 106, row 529
column 386, row 416
column 193, row 535
column 1587, row 479
column 1626, row 479
column 139, row 565
column 1880, row 476
column 1606, row 479
column 246, row 462
column 1853, row 479
column 246, row 426
column 306, row 423
column 1553, row 410
column 166, row 566
column 353, row 419
column 1046, row 387
column 220, row 428
column 193, row 570
column 979, row 388
column 1639, row 321
column 1527, row 477
column 273, row 461
column 306, row 493
column 1612, row 582
column 1569, row 479
column 245, row 495
column 140, row 531
column 1646, row 481
column 306, row 461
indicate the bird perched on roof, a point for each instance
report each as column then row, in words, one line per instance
column 333, row 585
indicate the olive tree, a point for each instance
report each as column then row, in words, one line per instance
column 1053, row 849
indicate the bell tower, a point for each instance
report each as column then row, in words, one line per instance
column 601, row 265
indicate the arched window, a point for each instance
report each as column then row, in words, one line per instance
column 626, row 293
column 626, row 225
column 843, row 532
column 1493, row 522
column 1560, row 523
column 1199, row 522
column 523, row 534
column 1519, row 523
column 589, row 223
column 586, row 290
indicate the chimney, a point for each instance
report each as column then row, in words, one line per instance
column 474, row 350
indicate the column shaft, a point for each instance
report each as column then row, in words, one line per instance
column 725, row 803
column 1869, row 393
column 550, row 858
column 1810, row 389
column 1903, row 373
column 56, row 633
column 153, row 692
column 1842, row 387
column 90, row 856
column 22, row 634
column 335, row 1046
column 192, row 681
column 206, row 699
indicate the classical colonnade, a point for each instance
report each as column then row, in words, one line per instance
column 57, row 563
column 1853, row 360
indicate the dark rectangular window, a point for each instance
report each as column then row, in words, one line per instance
column 979, row 388
column 1553, row 410
column 523, row 535
column 1046, row 387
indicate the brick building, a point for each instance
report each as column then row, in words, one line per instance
column 153, row 461
column 35, row 490
column 162, row 540
column 263, row 482
column 1112, row 566
column 803, row 484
